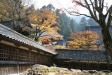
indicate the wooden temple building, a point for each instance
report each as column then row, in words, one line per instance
column 83, row 59
column 16, row 49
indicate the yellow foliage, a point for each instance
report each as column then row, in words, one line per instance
column 83, row 40
column 60, row 47
column 43, row 17
column 9, row 9
column 45, row 21
column 3, row 11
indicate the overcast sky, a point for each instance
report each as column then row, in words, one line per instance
column 56, row 3
column 59, row 4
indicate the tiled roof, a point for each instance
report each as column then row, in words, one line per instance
column 82, row 55
column 7, row 32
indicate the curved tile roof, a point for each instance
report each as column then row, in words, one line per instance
column 7, row 32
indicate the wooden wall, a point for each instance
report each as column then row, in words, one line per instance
column 20, row 56
column 83, row 65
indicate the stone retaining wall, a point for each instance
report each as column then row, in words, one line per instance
column 45, row 70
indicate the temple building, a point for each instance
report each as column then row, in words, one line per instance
column 16, row 49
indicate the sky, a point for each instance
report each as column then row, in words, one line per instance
column 66, row 4
column 59, row 4
column 56, row 3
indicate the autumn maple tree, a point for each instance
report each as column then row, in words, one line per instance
column 45, row 40
column 83, row 40
column 43, row 20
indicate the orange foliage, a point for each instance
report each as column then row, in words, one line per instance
column 83, row 40
column 45, row 40
column 45, row 21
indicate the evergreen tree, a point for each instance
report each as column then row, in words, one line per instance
column 49, row 7
column 73, row 25
column 64, row 23
column 91, row 22
column 83, row 24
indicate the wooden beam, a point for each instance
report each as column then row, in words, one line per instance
column 34, row 51
column 22, row 47
column 8, row 43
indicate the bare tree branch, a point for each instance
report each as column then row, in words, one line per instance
column 90, row 11
column 88, row 7
column 96, row 4
column 109, row 20
column 94, row 10
column 102, row 5
column 78, row 2
column 77, row 13
column 108, row 10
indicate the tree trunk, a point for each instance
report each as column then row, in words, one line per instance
column 107, row 39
